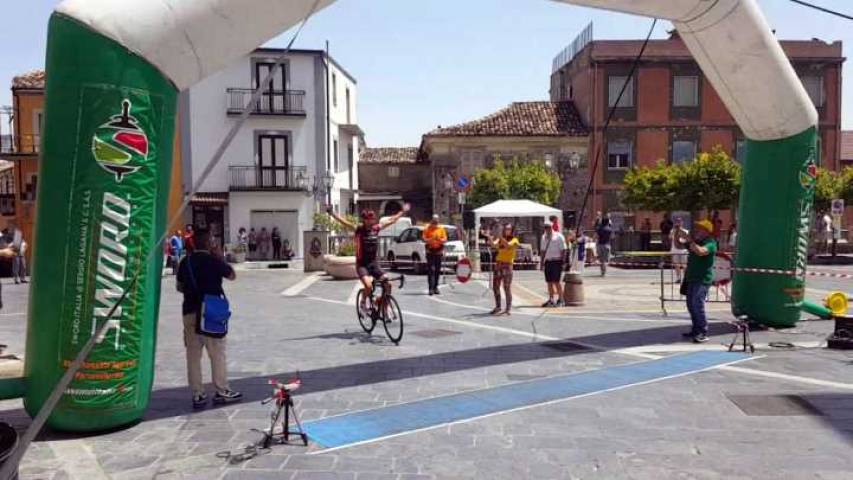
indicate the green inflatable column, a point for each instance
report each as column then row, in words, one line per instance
column 103, row 189
column 775, row 211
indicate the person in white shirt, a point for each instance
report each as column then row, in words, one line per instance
column 553, row 248
column 826, row 231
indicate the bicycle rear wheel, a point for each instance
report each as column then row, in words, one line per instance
column 365, row 319
column 392, row 319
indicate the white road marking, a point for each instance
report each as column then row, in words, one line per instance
column 540, row 313
column 355, row 289
column 629, row 351
column 78, row 460
column 528, row 407
column 300, row 286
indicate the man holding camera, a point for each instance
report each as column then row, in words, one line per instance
column 699, row 276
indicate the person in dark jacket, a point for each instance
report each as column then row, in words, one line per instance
column 201, row 273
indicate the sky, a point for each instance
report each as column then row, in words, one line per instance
column 420, row 64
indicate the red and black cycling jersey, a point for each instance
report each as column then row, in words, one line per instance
column 366, row 243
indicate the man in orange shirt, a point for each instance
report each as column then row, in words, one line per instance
column 435, row 236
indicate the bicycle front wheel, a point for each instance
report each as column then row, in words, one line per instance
column 392, row 318
column 365, row 319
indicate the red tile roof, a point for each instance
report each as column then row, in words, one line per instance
column 30, row 80
column 390, row 155
column 847, row 145
column 522, row 119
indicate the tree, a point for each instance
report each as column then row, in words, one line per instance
column 710, row 182
column 516, row 180
column 828, row 186
column 847, row 186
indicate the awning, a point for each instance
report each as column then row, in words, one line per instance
column 210, row 199
column 515, row 208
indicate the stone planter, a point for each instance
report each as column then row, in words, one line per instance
column 340, row 268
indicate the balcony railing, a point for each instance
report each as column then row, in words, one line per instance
column 20, row 144
column 253, row 178
column 287, row 102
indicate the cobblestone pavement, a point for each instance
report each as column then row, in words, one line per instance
column 788, row 414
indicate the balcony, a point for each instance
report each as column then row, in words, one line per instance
column 251, row 178
column 24, row 144
column 284, row 103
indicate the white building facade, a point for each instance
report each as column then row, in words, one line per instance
column 301, row 138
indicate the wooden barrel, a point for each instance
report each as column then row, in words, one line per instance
column 573, row 289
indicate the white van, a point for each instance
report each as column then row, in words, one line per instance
column 409, row 247
column 395, row 230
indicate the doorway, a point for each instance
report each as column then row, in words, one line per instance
column 287, row 222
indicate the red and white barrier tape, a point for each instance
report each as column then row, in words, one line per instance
column 765, row 271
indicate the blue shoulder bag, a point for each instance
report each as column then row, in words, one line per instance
column 215, row 311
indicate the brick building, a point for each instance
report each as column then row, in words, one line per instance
column 669, row 111
column 551, row 132
column 388, row 177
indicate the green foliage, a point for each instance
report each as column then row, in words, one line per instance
column 829, row 186
column 346, row 249
column 324, row 222
column 710, row 182
column 516, row 180
column 847, row 186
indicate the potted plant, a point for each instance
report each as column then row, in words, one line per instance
column 342, row 265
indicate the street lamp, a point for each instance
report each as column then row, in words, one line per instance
column 302, row 181
column 574, row 160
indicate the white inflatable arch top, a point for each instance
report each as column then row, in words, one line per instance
column 190, row 39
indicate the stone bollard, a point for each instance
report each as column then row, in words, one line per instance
column 573, row 289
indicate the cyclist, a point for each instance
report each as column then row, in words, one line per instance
column 366, row 239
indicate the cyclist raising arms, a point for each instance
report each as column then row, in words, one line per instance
column 366, row 239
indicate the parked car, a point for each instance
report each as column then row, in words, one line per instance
column 410, row 246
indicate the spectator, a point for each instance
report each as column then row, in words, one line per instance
column 176, row 244
column 264, row 244
column 243, row 239
column 506, row 246
column 665, row 232
column 253, row 243
column 826, row 231
column 679, row 248
column 554, row 222
column 189, row 240
column 604, row 235
column 717, row 222
column 435, row 236
column 646, row 235
column 19, row 247
column 199, row 274
column 276, row 243
column 699, row 275
column 553, row 248
column 733, row 238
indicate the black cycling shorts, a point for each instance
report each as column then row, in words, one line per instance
column 553, row 269
column 370, row 269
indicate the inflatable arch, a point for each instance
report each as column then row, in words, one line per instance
column 114, row 71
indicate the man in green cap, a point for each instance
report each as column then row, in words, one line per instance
column 699, row 276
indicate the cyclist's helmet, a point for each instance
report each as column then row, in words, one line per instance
column 368, row 215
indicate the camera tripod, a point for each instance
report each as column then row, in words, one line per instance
column 283, row 405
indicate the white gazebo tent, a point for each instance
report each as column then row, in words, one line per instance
column 513, row 209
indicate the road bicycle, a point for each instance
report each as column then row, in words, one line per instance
column 382, row 307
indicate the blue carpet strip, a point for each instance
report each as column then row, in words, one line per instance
column 364, row 426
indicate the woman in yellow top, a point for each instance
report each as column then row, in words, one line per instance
column 435, row 236
column 506, row 246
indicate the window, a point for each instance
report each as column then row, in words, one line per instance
column 683, row 151
column 394, row 172
column 814, row 87
column 273, row 98
column 740, row 150
column 615, row 83
column 334, row 90
column 685, row 91
column 272, row 161
column 349, row 112
column 619, row 155
column 350, row 157
column 337, row 164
